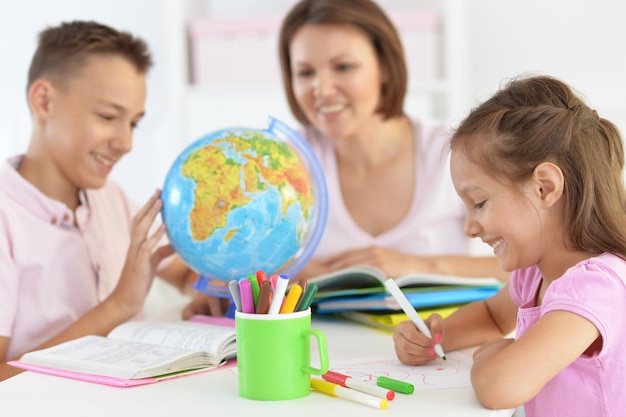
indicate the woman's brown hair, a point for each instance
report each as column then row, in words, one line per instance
column 370, row 19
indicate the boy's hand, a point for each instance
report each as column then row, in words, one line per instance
column 206, row 305
column 412, row 347
column 142, row 259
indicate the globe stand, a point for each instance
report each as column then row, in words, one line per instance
column 217, row 289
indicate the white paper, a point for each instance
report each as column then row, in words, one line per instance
column 451, row 373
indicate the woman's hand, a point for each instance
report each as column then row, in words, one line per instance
column 393, row 263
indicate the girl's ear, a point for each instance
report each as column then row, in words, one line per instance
column 548, row 182
column 40, row 97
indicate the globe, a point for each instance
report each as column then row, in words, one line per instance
column 239, row 200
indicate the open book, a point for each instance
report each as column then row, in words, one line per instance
column 136, row 353
column 366, row 276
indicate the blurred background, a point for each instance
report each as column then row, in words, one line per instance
column 216, row 62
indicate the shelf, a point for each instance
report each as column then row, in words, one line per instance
column 435, row 90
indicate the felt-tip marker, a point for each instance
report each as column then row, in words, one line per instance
column 349, row 394
column 405, row 304
column 279, row 295
column 346, row 381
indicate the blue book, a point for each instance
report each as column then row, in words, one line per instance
column 419, row 298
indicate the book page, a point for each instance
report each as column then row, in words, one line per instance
column 217, row 340
column 110, row 357
column 437, row 279
column 358, row 276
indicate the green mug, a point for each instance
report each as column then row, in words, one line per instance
column 274, row 355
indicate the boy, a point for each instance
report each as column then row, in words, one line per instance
column 76, row 257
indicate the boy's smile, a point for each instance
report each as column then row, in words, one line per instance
column 86, row 125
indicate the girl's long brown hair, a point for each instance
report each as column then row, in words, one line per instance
column 539, row 119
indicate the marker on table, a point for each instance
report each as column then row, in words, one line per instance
column 349, row 394
column 279, row 295
column 346, row 381
column 393, row 288
column 395, row 385
column 291, row 300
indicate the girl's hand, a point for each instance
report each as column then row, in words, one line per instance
column 414, row 348
column 142, row 259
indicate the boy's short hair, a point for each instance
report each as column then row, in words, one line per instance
column 62, row 50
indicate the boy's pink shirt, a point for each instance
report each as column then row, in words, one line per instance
column 52, row 272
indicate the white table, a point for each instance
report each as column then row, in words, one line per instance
column 215, row 393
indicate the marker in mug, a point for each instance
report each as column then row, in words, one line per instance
column 265, row 292
column 307, row 297
column 406, row 306
column 254, row 287
column 233, row 286
column 274, row 279
column 247, row 301
column 279, row 295
column 291, row 300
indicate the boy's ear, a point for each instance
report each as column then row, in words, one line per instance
column 548, row 182
column 40, row 97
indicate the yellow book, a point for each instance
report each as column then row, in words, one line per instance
column 389, row 321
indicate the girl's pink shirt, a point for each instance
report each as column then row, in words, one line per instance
column 434, row 223
column 596, row 290
column 52, row 272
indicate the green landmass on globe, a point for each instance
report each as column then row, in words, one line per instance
column 241, row 200
column 284, row 171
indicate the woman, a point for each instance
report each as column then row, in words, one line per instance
column 391, row 201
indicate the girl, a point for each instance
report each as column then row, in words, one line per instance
column 541, row 178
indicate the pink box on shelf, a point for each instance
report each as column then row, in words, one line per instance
column 234, row 51
column 420, row 33
column 244, row 51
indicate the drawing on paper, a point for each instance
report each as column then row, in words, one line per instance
column 451, row 373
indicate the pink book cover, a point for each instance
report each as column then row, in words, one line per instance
column 111, row 381
column 125, row 383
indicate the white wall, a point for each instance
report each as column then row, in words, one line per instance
column 579, row 41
